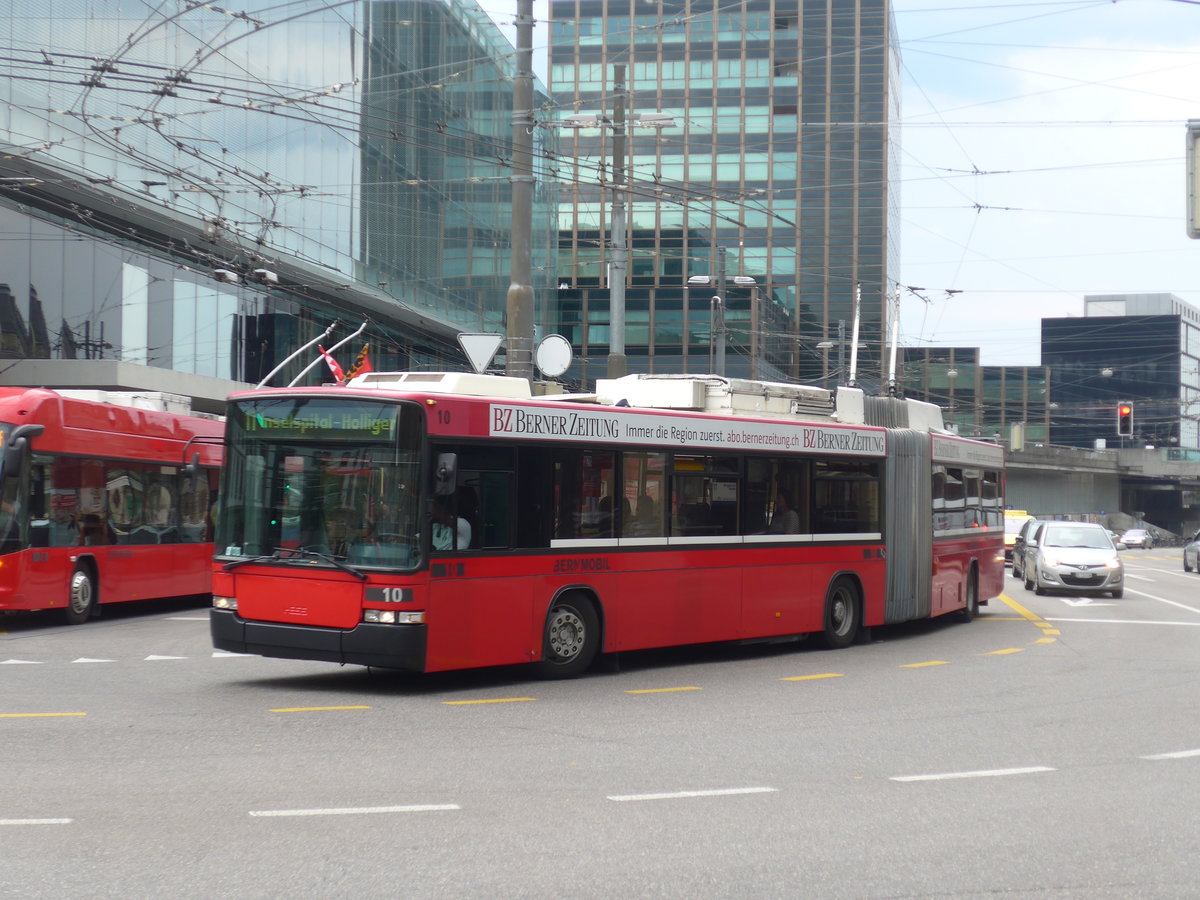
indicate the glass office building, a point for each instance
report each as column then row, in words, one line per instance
column 1141, row 349
column 202, row 189
column 777, row 158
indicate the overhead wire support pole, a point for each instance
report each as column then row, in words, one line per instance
column 619, row 260
column 519, row 302
column 719, row 300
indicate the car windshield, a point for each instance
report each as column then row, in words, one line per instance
column 1092, row 538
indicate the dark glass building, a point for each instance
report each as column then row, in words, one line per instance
column 1143, row 349
column 777, row 160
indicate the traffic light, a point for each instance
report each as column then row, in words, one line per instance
column 1125, row 420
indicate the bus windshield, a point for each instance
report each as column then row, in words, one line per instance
column 312, row 477
column 11, row 538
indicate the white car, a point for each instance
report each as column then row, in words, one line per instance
column 1073, row 557
column 1138, row 537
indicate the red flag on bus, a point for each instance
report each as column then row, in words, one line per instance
column 338, row 374
column 362, row 364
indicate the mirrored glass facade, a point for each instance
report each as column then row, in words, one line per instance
column 204, row 188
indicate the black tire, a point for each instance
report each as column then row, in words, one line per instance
column 842, row 614
column 1117, row 595
column 1186, row 567
column 571, row 638
column 1028, row 582
column 81, row 596
column 971, row 610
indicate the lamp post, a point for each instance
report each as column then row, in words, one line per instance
column 618, row 264
column 716, row 311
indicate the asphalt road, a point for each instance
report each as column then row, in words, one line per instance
column 1051, row 748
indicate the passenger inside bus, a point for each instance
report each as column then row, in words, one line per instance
column 450, row 532
column 785, row 519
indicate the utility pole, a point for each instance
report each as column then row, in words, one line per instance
column 719, row 300
column 619, row 261
column 519, row 307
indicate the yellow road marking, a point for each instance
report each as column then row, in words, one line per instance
column 1022, row 611
column 1003, row 652
column 812, row 677
column 921, row 665
column 37, row 715
column 663, row 690
column 497, row 700
column 1045, row 640
column 316, row 708
column 1046, row 629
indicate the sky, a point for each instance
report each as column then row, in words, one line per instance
column 1041, row 160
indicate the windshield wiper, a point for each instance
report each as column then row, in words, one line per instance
column 296, row 551
column 251, row 559
column 324, row 557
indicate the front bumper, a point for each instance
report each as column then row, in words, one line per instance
column 1089, row 578
column 385, row 646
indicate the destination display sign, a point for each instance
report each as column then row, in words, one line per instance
column 612, row 426
column 957, row 450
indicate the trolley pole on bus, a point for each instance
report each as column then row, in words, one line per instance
column 519, row 306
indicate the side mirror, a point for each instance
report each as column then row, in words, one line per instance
column 1121, row 546
column 18, row 442
column 446, row 474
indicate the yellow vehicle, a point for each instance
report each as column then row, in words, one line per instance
column 1013, row 520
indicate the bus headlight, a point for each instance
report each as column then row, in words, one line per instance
column 224, row 602
column 393, row 617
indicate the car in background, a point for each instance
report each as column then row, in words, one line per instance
column 1073, row 557
column 1019, row 544
column 1013, row 520
column 1191, row 554
column 1138, row 537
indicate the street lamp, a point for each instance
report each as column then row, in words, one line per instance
column 618, row 264
column 716, row 311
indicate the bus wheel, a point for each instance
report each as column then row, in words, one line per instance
column 841, row 615
column 971, row 610
column 571, row 638
column 81, row 602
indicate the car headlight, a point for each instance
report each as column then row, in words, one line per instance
column 1050, row 562
column 1113, row 563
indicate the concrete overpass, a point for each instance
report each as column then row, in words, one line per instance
column 1119, row 488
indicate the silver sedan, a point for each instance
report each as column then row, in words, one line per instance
column 1075, row 557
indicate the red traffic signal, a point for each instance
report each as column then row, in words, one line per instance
column 1125, row 420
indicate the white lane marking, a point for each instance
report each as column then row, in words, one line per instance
column 676, row 795
column 225, row 654
column 981, row 773
column 186, row 618
column 1178, row 754
column 1171, row 602
column 356, row 810
column 1140, row 577
column 152, row 657
column 36, row 821
column 1083, row 601
column 87, row 659
column 21, row 662
column 1123, row 621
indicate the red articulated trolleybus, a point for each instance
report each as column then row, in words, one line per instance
column 105, row 497
column 434, row 521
